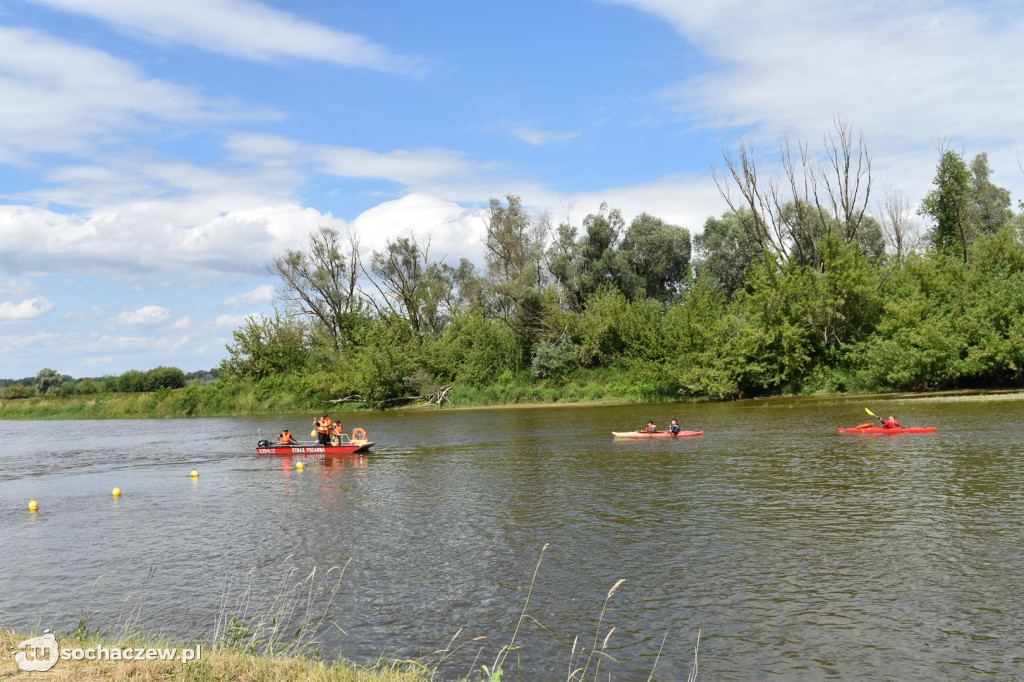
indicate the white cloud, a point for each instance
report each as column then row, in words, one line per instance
column 27, row 309
column 146, row 315
column 231, row 321
column 182, row 323
column 537, row 136
column 905, row 74
column 260, row 294
column 408, row 167
column 155, row 238
column 62, row 97
column 451, row 231
column 241, row 28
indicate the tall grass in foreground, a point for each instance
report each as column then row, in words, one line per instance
column 274, row 633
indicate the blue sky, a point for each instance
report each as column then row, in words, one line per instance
column 155, row 156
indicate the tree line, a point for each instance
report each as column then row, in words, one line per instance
column 49, row 382
column 812, row 280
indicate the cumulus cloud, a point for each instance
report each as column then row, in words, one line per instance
column 260, row 294
column 27, row 309
column 146, row 315
column 242, row 28
column 181, row 323
column 451, row 231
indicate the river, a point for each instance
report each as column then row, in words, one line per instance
column 798, row 553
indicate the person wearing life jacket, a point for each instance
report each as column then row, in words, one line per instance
column 323, row 430
column 674, row 428
column 891, row 423
column 285, row 437
column 336, row 433
column 651, row 428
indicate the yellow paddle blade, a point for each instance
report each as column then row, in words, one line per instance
column 870, row 412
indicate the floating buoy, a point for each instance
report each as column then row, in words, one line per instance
column 299, row 466
column 33, row 506
column 194, row 473
column 116, row 492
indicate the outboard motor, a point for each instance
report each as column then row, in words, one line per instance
column 263, row 443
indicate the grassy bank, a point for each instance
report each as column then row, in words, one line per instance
column 224, row 399
column 213, row 664
column 283, row 395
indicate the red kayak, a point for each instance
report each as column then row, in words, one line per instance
column 890, row 432
column 656, row 434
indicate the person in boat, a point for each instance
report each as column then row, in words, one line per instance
column 891, row 423
column 674, row 427
column 323, row 430
column 651, row 428
column 336, row 433
column 285, row 437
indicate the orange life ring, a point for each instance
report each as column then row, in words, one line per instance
column 359, row 434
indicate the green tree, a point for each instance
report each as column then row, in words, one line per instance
column 724, row 250
column 164, row 377
column 132, row 381
column 412, row 287
column 321, row 283
column 991, row 205
column 265, row 346
column 949, row 205
column 47, row 380
column 514, row 247
column 659, row 255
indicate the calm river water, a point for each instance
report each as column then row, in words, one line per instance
column 797, row 552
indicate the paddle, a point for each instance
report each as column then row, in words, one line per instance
column 873, row 415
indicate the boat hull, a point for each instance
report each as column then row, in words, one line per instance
column 352, row 448
column 656, row 434
column 890, row 432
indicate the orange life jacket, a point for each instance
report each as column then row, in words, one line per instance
column 324, row 425
column 338, row 429
column 286, row 438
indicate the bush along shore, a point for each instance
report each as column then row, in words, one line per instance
column 835, row 290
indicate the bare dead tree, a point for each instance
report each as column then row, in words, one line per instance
column 898, row 226
column 848, row 178
column 763, row 229
column 793, row 214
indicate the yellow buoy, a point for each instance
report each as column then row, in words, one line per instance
column 116, row 492
column 33, row 506
column 299, row 466
column 194, row 473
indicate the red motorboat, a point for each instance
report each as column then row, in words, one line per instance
column 359, row 443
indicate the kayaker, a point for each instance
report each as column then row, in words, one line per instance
column 336, row 433
column 674, row 428
column 651, row 428
column 891, row 423
column 285, row 437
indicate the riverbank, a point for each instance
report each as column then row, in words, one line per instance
column 211, row 664
column 243, row 399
